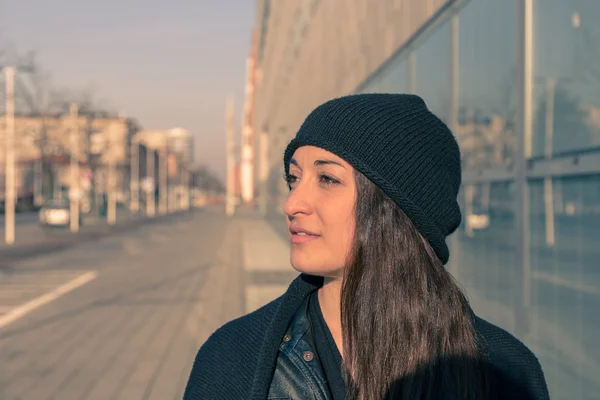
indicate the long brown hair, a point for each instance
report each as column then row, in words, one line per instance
column 407, row 327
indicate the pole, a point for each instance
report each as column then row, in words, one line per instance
column 264, row 171
column 229, row 206
column 180, row 192
column 186, row 189
column 162, row 162
column 150, row 173
column 9, row 199
column 135, row 176
column 111, row 214
column 549, row 137
column 37, row 182
column 74, row 187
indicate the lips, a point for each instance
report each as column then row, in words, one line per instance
column 297, row 230
column 299, row 235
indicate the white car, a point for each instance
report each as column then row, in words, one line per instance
column 56, row 213
column 478, row 221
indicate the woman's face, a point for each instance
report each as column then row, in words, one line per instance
column 320, row 211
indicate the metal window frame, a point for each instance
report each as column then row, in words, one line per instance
column 585, row 163
column 562, row 166
column 488, row 175
column 522, row 235
column 454, row 110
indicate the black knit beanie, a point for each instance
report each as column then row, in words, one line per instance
column 398, row 144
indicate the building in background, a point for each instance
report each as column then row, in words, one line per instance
column 172, row 152
column 247, row 140
column 44, row 149
column 524, row 110
column 180, row 142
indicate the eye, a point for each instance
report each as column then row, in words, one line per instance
column 328, row 180
column 290, row 179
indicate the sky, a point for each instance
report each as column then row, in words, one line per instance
column 164, row 64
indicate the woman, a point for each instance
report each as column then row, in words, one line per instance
column 374, row 314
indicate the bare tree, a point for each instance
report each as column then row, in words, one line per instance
column 86, row 99
column 36, row 96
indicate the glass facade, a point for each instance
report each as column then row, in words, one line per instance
column 528, row 251
column 487, row 62
column 432, row 79
column 395, row 80
column 566, row 76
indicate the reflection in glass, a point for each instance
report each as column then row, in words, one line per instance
column 566, row 76
column 565, row 322
column 487, row 76
column 395, row 78
column 374, row 86
column 486, row 255
column 433, row 69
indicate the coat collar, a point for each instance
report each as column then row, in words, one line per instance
column 297, row 292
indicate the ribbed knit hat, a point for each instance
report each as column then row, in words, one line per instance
column 398, row 144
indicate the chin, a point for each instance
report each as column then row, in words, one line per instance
column 316, row 266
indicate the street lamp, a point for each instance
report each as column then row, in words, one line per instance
column 150, row 182
column 10, row 185
column 230, row 154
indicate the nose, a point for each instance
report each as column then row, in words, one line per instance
column 298, row 201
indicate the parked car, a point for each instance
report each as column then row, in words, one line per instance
column 57, row 213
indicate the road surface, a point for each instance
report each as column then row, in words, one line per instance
column 28, row 231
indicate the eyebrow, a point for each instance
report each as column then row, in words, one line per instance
column 327, row 162
column 318, row 163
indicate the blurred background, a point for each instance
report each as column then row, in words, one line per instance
column 141, row 178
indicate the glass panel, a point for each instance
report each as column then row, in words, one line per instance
column 395, row 80
column 487, row 262
column 565, row 321
column 487, row 76
column 566, row 76
column 432, row 70
column 372, row 87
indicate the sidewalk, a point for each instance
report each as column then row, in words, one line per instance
column 266, row 263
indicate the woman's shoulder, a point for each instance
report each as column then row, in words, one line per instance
column 249, row 327
column 513, row 363
column 498, row 339
column 228, row 357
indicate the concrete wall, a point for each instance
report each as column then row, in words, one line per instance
column 313, row 51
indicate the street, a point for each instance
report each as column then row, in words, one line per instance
column 28, row 231
column 128, row 312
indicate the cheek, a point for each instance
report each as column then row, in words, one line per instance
column 341, row 224
column 348, row 235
